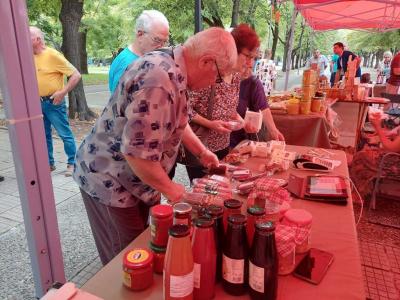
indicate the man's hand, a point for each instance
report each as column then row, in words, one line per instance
column 176, row 193
column 208, row 159
column 58, row 97
column 219, row 126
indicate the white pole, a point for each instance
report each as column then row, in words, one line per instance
column 24, row 114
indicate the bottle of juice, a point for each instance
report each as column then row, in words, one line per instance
column 235, row 255
column 178, row 268
column 216, row 213
column 205, row 259
column 263, row 263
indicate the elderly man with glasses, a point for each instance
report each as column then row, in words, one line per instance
column 152, row 31
column 122, row 165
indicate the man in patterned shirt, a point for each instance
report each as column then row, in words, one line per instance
column 122, row 165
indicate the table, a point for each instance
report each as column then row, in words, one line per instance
column 333, row 230
column 378, row 90
column 362, row 112
column 303, row 130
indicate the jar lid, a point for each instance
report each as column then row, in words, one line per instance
column 232, row 203
column 265, row 226
column 284, row 207
column 256, row 210
column 215, row 211
column 137, row 258
column 161, row 211
column 300, row 217
column 179, row 230
column 182, row 208
column 237, row 219
column 204, row 222
column 157, row 249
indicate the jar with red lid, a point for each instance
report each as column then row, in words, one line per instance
column 161, row 219
column 301, row 221
column 183, row 214
column 231, row 206
column 158, row 258
column 138, row 269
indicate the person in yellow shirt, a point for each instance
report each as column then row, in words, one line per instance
column 51, row 66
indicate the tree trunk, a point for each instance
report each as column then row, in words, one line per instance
column 70, row 17
column 275, row 34
column 250, row 16
column 82, row 51
column 235, row 13
column 379, row 58
column 372, row 60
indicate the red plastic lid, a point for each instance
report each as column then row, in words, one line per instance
column 161, row 211
column 300, row 217
column 137, row 258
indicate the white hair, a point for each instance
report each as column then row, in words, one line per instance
column 37, row 32
column 214, row 41
column 387, row 53
column 147, row 19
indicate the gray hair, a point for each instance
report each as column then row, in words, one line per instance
column 37, row 32
column 216, row 42
column 387, row 53
column 147, row 18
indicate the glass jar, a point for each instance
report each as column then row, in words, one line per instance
column 305, row 107
column 254, row 215
column 283, row 208
column 204, row 258
column 235, row 256
column 316, row 104
column 138, row 269
column 178, row 267
column 159, row 257
column 293, row 107
column 271, row 211
column 161, row 219
column 263, row 263
column 284, row 236
column 301, row 220
column 183, row 214
column 231, row 206
column 216, row 213
column 287, row 262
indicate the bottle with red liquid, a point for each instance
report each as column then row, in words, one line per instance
column 216, row 213
column 263, row 263
column 231, row 206
column 254, row 214
column 204, row 258
column 178, row 266
column 235, row 255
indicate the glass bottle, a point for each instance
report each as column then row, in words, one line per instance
column 183, row 213
column 263, row 263
column 231, row 206
column 254, row 214
column 178, row 268
column 216, row 213
column 204, row 258
column 235, row 254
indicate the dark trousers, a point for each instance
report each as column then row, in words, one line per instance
column 333, row 75
column 197, row 171
column 114, row 228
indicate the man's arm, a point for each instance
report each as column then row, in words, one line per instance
column 152, row 174
column 73, row 80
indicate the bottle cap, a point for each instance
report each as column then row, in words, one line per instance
column 237, row 219
column 204, row 222
column 256, row 210
column 232, row 203
column 182, row 208
column 265, row 226
column 161, row 211
column 214, row 211
column 179, row 230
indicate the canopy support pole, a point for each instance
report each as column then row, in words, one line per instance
column 290, row 48
column 198, row 20
column 26, row 131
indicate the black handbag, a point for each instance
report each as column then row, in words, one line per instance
column 185, row 157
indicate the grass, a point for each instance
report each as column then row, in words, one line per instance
column 95, row 79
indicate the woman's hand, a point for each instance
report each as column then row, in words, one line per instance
column 220, row 126
column 375, row 119
column 207, row 159
column 277, row 135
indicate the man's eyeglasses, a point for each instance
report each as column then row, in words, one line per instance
column 156, row 40
column 219, row 78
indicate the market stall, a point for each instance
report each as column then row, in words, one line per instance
column 333, row 229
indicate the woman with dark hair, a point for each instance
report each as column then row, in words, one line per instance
column 393, row 83
column 223, row 98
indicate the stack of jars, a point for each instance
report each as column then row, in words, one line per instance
column 310, row 83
